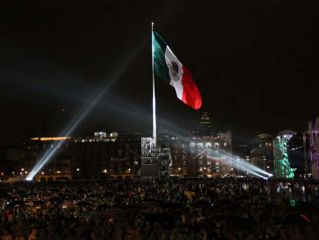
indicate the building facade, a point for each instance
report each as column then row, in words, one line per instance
column 201, row 155
column 311, row 149
column 261, row 155
column 10, row 161
column 58, row 167
column 105, row 155
column 205, row 127
column 91, row 157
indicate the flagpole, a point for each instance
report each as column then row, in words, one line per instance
column 154, row 100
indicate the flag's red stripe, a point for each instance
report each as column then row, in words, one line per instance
column 191, row 95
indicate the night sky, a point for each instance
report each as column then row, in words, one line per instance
column 256, row 64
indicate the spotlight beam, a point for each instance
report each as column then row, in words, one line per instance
column 246, row 164
column 76, row 121
column 47, row 156
column 242, row 167
column 238, row 165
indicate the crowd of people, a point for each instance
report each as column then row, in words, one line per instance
column 174, row 209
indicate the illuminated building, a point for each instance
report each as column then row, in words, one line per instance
column 85, row 157
column 311, row 149
column 194, row 155
column 282, row 166
column 10, row 160
column 262, row 155
column 179, row 149
column 186, row 156
column 205, row 152
column 59, row 166
column 205, row 125
column 105, row 154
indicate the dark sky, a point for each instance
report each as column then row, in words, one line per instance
column 256, row 64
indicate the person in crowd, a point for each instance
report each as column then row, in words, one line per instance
column 174, row 209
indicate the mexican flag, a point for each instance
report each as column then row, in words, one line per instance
column 168, row 67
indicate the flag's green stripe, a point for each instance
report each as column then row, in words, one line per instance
column 160, row 66
column 159, row 40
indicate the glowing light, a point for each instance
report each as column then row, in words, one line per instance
column 78, row 169
column 29, row 178
column 105, row 171
column 305, row 217
column 237, row 163
column 44, row 139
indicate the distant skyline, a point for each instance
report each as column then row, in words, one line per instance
column 255, row 63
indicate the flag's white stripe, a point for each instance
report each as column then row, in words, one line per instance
column 176, row 79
